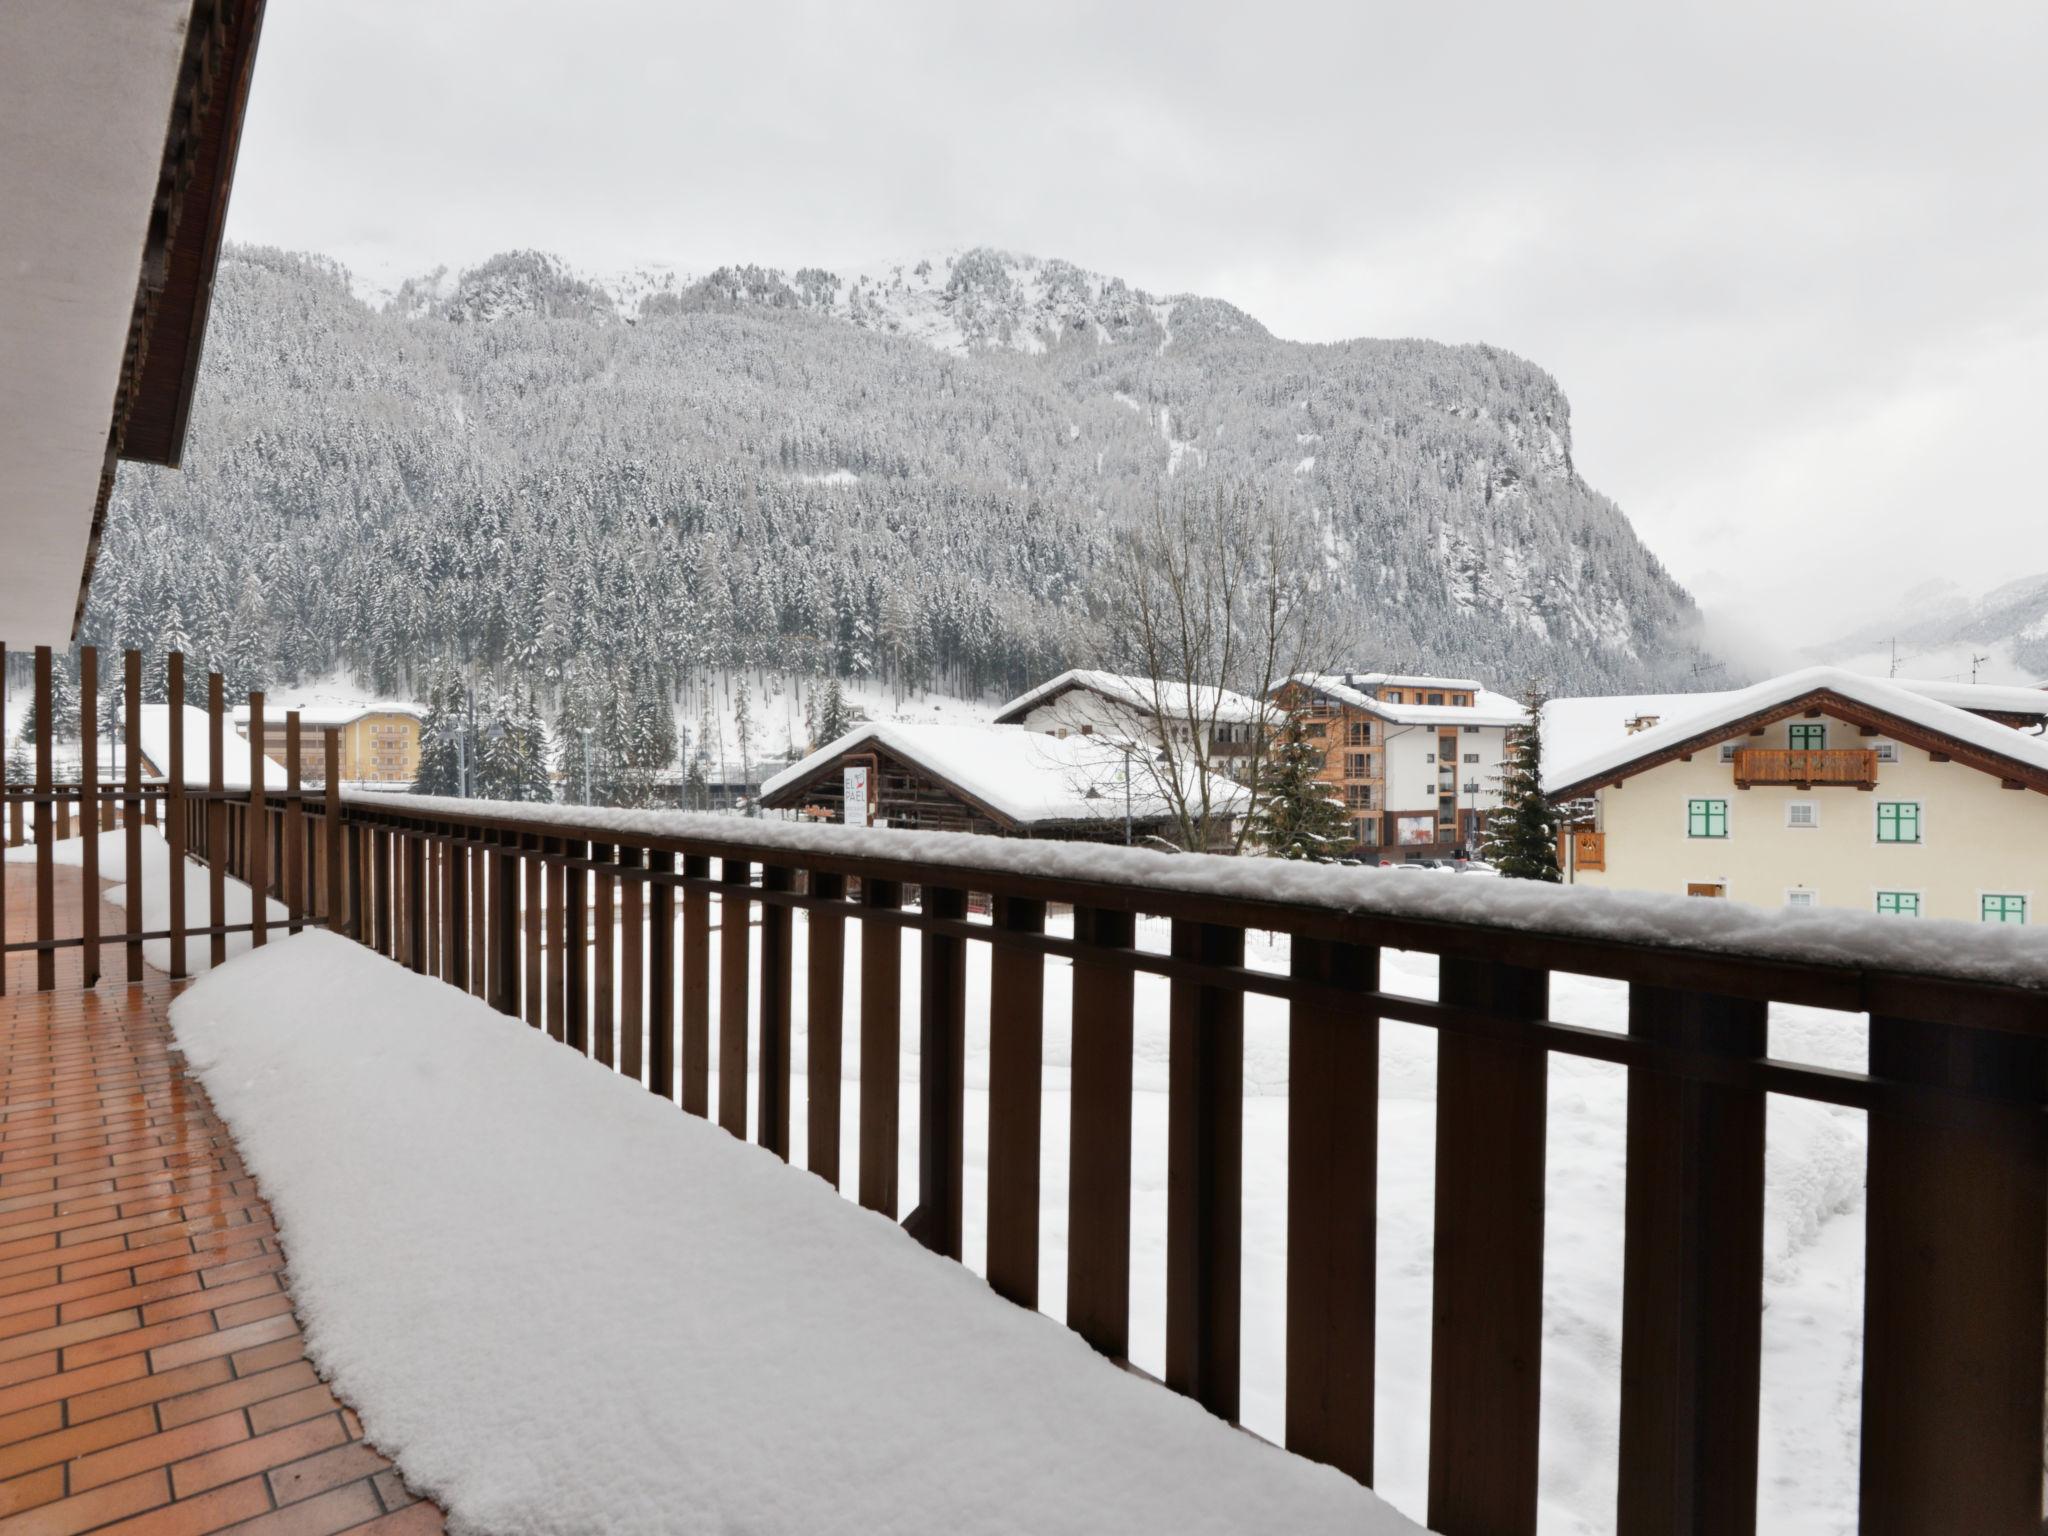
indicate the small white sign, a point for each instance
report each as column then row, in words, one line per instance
column 856, row 788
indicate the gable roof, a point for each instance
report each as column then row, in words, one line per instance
column 1348, row 688
column 153, row 733
column 1899, row 711
column 1148, row 696
column 1020, row 778
column 322, row 716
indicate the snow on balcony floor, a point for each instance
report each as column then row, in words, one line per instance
column 565, row 1306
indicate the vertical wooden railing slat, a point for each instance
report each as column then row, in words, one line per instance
column 454, row 922
column 257, row 828
column 734, row 915
column 1016, row 1095
column 1205, row 1173
column 534, row 873
column 216, row 819
column 1099, row 1135
column 504, row 945
column 131, row 805
column 604, row 998
column 558, row 939
column 336, row 855
column 881, row 1046
column 696, row 985
column 415, row 908
column 1332, row 1209
column 1955, row 1273
column 576, row 959
column 177, row 811
column 661, row 978
column 294, row 827
column 632, row 964
column 478, row 856
column 46, row 822
column 89, row 821
column 380, row 889
column 12, row 809
column 1487, row 1342
column 941, row 1078
column 778, row 933
column 824, row 1025
column 1692, row 1275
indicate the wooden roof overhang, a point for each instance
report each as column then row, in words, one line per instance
column 2008, row 771
column 174, row 292
column 123, row 119
column 791, row 796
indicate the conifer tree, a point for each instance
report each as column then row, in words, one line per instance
column 834, row 719
column 436, row 774
column 1521, row 837
column 1294, row 814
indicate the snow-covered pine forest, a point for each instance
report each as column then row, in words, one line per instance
column 907, row 480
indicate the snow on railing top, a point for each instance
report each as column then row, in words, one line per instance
column 1823, row 937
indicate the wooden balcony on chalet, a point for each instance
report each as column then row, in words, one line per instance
column 1806, row 768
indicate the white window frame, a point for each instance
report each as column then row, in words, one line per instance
column 1920, row 820
column 1887, row 751
column 1919, row 900
column 1812, row 897
column 1728, row 751
column 1803, row 826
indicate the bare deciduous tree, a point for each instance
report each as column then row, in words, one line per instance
column 1216, row 593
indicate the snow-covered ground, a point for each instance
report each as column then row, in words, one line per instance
column 776, row 702
column 562, row 1306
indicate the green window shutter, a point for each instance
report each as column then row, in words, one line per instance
column 1706, row 818
column 1898, row 903
column 1898, row 821
column 2004, row 909
column 1809, row 738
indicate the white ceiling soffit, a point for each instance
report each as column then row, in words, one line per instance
column 86, row 92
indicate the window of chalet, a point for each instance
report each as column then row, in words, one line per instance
column 1706, row 818
column 1898, row 821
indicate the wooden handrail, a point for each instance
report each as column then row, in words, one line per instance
column 1806, row 767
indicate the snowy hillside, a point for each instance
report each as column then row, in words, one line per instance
column 909, row 478
column 1941, row 631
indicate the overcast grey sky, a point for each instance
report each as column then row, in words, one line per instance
column 1789, row 261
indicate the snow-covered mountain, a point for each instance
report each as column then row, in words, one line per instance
column 1939, row 629
column 911, row 475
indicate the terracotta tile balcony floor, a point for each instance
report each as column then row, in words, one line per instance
column 152, row 1375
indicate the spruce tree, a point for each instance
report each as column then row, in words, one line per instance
column 1521, row 837
column 834, row 719
column 436, row 774
column 1294, row 814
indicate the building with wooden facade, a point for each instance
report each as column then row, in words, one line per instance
column 1416, row 759
column 999, row 780
column 1822, row 788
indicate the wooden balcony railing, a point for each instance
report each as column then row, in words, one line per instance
column 1806, row 768
column 500, row 899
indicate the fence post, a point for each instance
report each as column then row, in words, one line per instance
column 1016, row 1083
column 46, row 823
column 825, row 1021
column 1692, row 1274
column 941, row 1078
column 336, row 857
column 1956, row 1267
column 294, row 827
column 1487, row 1341
column 1099, row 1139
column 661, row 970
column 89, row 821
column 734, row 915
column 1205, row 1173
column 777, row 936
column 177, row 826
column 881, row 1045
column 216, row 819
column 131, row 809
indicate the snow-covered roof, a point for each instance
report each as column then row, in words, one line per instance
column 1177, row 701
column 1703, row 714
column 154, row 733
column 1348, row 688
column 1028, row 777
column 321, row 716
column 1411, row 680
column 1981, row 696
column 1579, row 728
